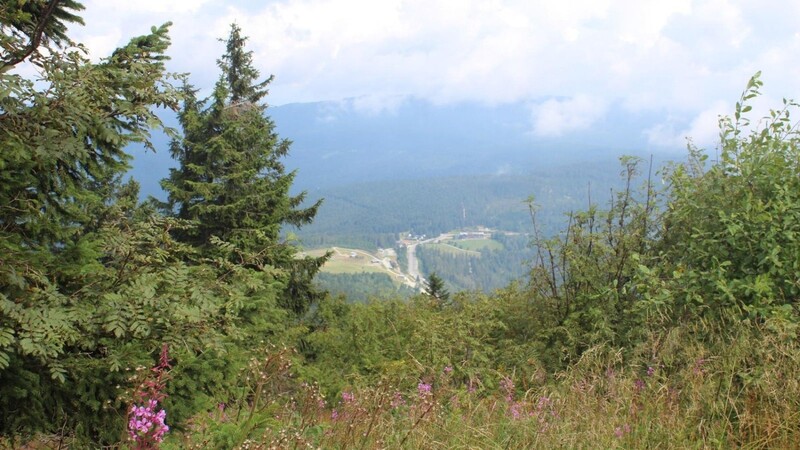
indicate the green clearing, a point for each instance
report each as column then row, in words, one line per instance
column 341, row 262
column 476, row 245
column 343, row 266
column 453, row 250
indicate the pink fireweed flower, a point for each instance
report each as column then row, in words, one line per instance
column 650, row 371
column 448, row 370
column 424, row 389
column 544, row 402
column 146, row 423
column 507, row 385
column 515, row 409
column 348, row 397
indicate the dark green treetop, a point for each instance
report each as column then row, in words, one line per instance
column 238, row 71
column 435, row 288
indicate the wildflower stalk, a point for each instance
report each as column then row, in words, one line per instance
column 374, row 416
column 425, row 390
column 146, row 423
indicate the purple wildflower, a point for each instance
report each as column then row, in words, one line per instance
column 348, row 397
column 543, row 403
column 147, row 423
column 424, row 389
column 619, row 432
column 516, row 410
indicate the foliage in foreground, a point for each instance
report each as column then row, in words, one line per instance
column 681, row 397
column 683, row 394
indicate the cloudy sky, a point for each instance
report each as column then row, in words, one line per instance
column 573, row 61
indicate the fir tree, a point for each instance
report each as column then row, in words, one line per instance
column 435, row 288
column 231, row 180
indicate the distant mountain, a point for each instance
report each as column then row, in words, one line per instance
column 339, row 143
column 346, row 142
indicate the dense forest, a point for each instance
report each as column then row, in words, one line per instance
column 376, row 212
column 486, row 270
column 362, row 287
column 665, row 315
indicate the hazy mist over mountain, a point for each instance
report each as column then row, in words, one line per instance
column 354, row 141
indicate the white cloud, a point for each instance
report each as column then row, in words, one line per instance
column 151, row 6
column 553, row 118
column 102, row 45
column 377, row 104
column 703, row 129
column 678, row 56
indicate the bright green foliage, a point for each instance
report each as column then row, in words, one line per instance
column 375, row 361
column 61, row 160
column 231, row 182
column 582, row 282
column 397, row 340
column 731, row 245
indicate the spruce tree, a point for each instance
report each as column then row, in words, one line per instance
column 436, row 289
column 231, row 180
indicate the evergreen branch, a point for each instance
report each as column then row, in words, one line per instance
column 36, row 40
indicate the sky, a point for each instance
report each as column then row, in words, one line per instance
column 573, row 62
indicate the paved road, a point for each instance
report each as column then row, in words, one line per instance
column 407, row 280
column 411, row 255
column 413, row 262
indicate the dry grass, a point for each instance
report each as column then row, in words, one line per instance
column 697, row 400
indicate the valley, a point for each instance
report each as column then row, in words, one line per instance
column 454, row 255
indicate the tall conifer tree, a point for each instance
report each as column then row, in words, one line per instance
column 231, row 180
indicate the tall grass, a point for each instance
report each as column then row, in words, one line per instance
column 742, row 391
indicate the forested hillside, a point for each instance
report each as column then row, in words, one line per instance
column 485, row 270
column 662, row 316
column 373, row 210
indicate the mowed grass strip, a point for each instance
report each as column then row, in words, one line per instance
column 477, row 245
column 451, row 249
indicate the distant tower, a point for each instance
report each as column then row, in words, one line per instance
column 463, row 215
